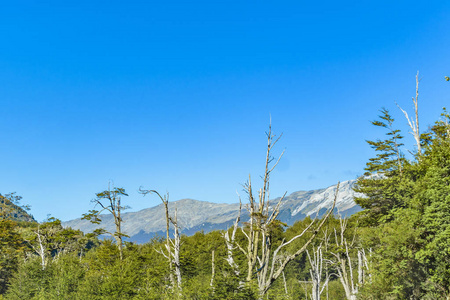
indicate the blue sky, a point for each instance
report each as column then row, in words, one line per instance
column 177, row 96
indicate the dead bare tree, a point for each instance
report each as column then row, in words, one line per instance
column 326, row 239
column 230, row 242
column 213, row 270
column 168, row 255
column 261, row 258
column 363, row 266
column 316, row 270
column 344, row 265
column 172, row 246
column 414, row 125
column 266, row 278
column 39, row 247
column 176, row 244
column 112, row 197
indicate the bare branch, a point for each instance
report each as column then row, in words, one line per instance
column 278, row 160
column 414, row 125
column 289, row 258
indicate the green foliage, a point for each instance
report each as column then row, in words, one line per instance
column 98, row 272
column 386, row 184
column 10, row 208
column 30, row 281
column 227, row 286
column 11, row 246
column 411, row 235
column 389, row 157
column 55, row 238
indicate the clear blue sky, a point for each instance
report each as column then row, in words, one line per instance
column 176, row 96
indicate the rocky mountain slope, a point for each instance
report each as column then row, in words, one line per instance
column 194, row 215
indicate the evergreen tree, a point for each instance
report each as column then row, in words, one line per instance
column 411, row 259
column 384, row 184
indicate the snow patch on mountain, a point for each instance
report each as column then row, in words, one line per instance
column 324, row 199
column 194, row 215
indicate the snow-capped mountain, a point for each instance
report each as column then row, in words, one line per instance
column 194, row 215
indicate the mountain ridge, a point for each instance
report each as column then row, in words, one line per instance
column 195, row 215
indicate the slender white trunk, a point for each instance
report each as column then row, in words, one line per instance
column 41, row 250
column 176, row 251
column 230, row 242
column 213, row 270
column 414, row 124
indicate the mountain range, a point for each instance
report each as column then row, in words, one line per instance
column 194, row 215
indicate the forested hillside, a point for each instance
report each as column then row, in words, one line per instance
column 11, row 209
column 397, row 247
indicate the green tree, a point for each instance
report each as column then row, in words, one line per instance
column 49, row 239
column 411, row 257
column 12, row 247
column 110, row 201
column 384, row 184
column 433, row 200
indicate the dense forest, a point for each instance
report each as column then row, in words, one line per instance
column 398, row 247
